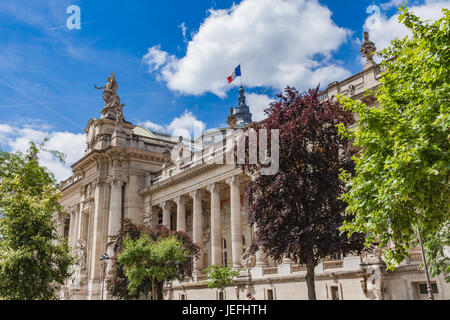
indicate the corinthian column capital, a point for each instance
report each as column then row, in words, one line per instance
column 180, row 200
column 234, row 180
column 212, row 188
column 165, row 205
column 196, row 194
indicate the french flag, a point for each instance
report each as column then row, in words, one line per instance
column 236, row 73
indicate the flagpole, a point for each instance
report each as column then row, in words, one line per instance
column 240, row 66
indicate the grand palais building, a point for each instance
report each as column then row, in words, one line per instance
column 127, row 171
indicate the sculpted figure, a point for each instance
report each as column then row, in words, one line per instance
column 247, row 259
column 113, row 107
column 110, row 89
column 81, row 253
column 368, row 47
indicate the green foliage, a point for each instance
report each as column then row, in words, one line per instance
column 402, row 170
column 146, row 258
column 220, row 277
column 34, row 259
column 118, row 282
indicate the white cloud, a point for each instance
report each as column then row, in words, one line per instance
column 155, row 58
column 186, row 125
column 272, row 39
column 152, row 126
column 17, row 138
column 257, row 104
column 183, row 28
column 391, row 4
column 389, row 27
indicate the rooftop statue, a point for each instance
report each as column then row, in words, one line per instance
column 368, row 48
column 112, row 109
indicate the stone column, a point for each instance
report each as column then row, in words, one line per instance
column 261, row 259
column 216, row 225
column 115, row 208
column 236, row 221
column 166, row 206
column 197, row 226
column 181, row 213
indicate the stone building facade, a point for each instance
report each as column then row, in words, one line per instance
column 127, row 172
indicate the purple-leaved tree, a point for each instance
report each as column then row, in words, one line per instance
column 297, row 211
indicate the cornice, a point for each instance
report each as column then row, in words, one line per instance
column 180, row 177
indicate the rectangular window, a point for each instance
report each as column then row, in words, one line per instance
column 269, row 294
column 224, row 259
column 334, row 293
column 66, row 228
column 423, row 288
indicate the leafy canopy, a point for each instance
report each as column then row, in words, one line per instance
column 220, row 277
column 402, row 170
column 135, row 245
column 145, row 258
column 34, row 259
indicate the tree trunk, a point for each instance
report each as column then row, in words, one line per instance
column 429, row 289
column 310, row 278
column 159, row 290
column 153, row 290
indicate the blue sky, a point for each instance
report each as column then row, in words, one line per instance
column 171, row 60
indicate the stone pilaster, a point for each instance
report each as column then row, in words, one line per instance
column 216, row 225
column 236, row 221
column 115, row 207
column 97, row 246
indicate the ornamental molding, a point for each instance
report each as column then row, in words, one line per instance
column 117, row 178
column 183, row 176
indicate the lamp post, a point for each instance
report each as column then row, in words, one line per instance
column 104, row 261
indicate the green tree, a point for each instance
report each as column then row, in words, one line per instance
column 146, row 257
column 220, row 277
column 401, row 186
column 34, row 259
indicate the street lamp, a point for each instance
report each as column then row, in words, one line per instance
column 104, row 261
